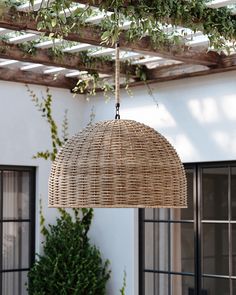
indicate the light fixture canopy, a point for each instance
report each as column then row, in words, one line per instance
column 119, row 164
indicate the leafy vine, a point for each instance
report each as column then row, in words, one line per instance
column 158, row 19
column 45, row 107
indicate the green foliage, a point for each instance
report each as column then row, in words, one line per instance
column 90, row 85
column 44, row 105
column 147, row 17
column 122, row 290
column 70, row 264
column 150, row 17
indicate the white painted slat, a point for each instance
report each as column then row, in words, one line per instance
column 233, row 9
column 102, row 52
column 23, row 38
column 48, row 44
column 8, row 62
column 124, row 55
column 220, row 3
column 198, row 41
column 79, row 47
column 53, row 70
column 75, row 74
column 31, row 67
column 67, row 12
column 4, row 31
column 95, row 19
column 37, row 4
column 125, row 25
column 146, row 60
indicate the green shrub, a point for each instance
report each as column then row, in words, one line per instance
column 70, row 265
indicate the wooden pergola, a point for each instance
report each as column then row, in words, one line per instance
column 163, row 64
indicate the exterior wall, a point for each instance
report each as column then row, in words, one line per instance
column 23, row 133
column 197, row 115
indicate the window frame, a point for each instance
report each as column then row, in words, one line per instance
column 30, row 220
column 198, row 223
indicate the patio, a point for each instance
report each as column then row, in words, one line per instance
column 177, row 75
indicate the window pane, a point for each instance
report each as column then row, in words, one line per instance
column 187, row 214
column 234, row 249
column 233, row 192
column 156, row 246
column 156, row 284
column 13, row 283
column 216, row 286
column 15, row 194
column 182, row 285
column 215, row 193
column 149, row 213
column 157, row 214
column 182, row 247
column 215, row 249
column 15, row 245
column 234, row 286
column 149, row 283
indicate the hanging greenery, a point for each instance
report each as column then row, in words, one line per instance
column 159, row 20
column 147, row 17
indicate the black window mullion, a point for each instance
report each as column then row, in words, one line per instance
column 169, row 253
column 197, row 227
column 32, row 208
column 1, row 227
column 30, row 220
column 198, row 223
column 230, row 233
column 141, row 252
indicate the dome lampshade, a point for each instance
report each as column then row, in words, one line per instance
column 117, row 164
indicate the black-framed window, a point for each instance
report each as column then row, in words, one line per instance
column 192, row 251
column 17, row 227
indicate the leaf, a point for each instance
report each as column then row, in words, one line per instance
column 53, row 23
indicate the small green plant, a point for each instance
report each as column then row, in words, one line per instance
column 70, row 264
column 122, row 290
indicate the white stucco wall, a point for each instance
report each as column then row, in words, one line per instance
column 197, row 115
column 23, row 133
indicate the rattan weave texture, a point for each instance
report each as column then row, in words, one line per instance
column 117, row 163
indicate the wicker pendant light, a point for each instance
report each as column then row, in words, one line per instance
column 117, row 163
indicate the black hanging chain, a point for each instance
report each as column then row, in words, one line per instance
column 117, row 116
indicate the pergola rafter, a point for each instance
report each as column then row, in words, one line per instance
column 170, row 62
column 92, row 34
column 28, row 77
column 69, row 61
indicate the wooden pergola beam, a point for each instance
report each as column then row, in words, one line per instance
column 178, row 72
column 69, row 61
column 92, row 35
column 28, row 77
column 159, row 75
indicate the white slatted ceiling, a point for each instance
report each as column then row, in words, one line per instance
column 24, row 38
column 192, row 39
column 100, row 15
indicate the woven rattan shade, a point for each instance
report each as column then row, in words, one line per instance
column 117, row 163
